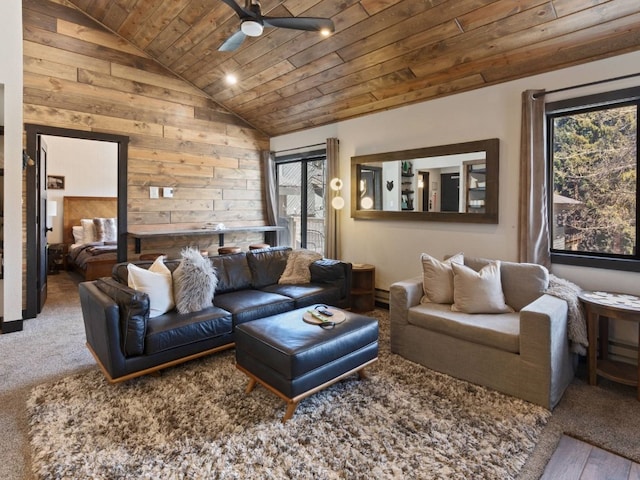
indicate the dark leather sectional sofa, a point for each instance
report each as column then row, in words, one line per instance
column 126, row 343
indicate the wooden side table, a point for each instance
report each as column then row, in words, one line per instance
column 363, row 287
column 56, row 258
column 600, row 307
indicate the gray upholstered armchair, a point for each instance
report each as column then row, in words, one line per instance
column 524, row 353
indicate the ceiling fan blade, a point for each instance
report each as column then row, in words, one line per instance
column 300, row 23
column 241, row 12
column 233, row 42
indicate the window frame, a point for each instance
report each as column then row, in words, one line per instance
column 303, row 158
column 599, row 101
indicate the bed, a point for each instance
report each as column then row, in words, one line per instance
column 93, row 258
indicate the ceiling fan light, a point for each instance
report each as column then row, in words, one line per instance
column 325, row 32
column 252, row 28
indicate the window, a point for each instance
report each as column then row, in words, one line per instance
column 593, row 161
column 301, row 181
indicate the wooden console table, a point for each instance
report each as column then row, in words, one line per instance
column 600, row 307
column 139, row 232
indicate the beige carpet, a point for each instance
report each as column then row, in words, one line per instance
column 404, row 421
column 52, row 347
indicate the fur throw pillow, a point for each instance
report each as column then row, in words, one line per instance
column 194, row 282
column 297, row 270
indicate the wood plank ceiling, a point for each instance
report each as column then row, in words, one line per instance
column 383, row 54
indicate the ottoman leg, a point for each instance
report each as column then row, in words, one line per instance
column 251, row 385
column 362, row 374
column 291, row 408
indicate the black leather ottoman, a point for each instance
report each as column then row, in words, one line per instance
column 295, row 359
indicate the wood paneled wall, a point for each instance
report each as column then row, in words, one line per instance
column 79, row 75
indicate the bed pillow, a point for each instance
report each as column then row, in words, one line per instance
column 297, row 271
column 106, row 229
column 194, row 282
column 155, row 282
column 88, row 230
column 478, row 292
column 78, row 236
column 437, row 278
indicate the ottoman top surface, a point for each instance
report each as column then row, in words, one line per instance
column 288, row 332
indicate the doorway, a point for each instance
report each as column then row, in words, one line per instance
column 36, row 214
column 450, row 192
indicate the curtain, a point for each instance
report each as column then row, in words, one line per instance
column 533, row 226
column 270, row 201
column 331, row 246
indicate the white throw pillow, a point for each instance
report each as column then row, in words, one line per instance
column 155, row 282
column 478, row 292
column 437, row 278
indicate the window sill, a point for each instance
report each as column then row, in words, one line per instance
column 622, row 264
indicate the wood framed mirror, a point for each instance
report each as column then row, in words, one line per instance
column 445, row 183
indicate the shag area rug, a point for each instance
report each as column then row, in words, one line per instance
column 195, row 421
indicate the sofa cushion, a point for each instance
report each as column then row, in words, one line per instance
column 309, row 294
column 174, row 329
column 297, row 270
column 437, row 278
column 267, row 265
column 247, row 305
column 522, row 283
column 233, row 272
column 155, row 282
column 501, row 331
column 478, row 292
column 194, row 282
column 133, row 307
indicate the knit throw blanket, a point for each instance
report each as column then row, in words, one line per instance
column 577, row 324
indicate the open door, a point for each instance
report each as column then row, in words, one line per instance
column 41, row 163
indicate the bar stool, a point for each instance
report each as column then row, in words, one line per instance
column 151, row 256
column 228, row 250
column 258, row 246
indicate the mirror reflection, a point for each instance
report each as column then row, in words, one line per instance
column 456, row 182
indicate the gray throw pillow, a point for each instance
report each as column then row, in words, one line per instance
column 194, row 282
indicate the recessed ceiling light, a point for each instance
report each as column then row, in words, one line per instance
column 231, row 79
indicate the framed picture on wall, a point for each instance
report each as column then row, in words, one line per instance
column 55, row 182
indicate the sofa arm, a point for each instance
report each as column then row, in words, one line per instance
column 334, row 272
column 102, row 328
column 543, row 330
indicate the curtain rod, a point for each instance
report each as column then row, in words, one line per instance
column 302, row 148
column 598, row 82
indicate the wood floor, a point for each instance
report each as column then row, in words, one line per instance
column 577, row 460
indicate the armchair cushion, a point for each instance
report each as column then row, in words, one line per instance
column 522, row 283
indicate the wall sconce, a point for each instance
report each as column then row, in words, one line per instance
column 336, row 185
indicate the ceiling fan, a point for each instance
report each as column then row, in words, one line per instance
column 253, row 23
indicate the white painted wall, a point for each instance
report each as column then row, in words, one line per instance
column 493, row 112
column 11, row 78
column 89, row 168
